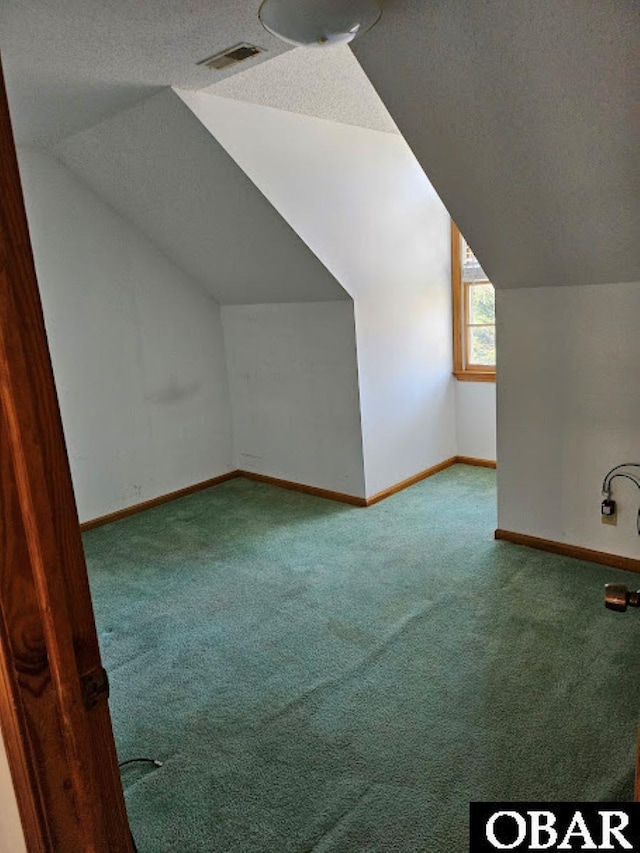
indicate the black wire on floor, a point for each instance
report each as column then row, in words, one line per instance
column 146, row 760
column 121, row 764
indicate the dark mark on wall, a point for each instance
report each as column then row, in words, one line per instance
column 174, row 393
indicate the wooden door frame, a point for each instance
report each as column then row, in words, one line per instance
column 59, row 741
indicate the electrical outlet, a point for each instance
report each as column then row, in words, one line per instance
column 609, row 512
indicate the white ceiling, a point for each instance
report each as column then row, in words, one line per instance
column 71, row 63
column 161, row 169
column 327, row 83
column 525, row 115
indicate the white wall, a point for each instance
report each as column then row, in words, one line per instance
column 136, row 346
column 361, row 202
column 476, row 419
column 406, row 388
column 11, row 835
column 294, row 393
column 568, row 411
column 163, row 171
column 523, row 114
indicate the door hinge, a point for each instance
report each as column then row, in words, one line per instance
column 95, row 687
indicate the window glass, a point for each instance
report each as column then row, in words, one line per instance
column 482, row 345
column 474, row 347
column 482, row 303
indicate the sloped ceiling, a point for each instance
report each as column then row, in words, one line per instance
column 327, row 84
column 158, row 166
column 357, row 197
column 525, row 116
column 71, row 63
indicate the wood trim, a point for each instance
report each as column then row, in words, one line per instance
column 628, row 564
column 162, row 499
column 215, row 481
column 374, row 499
column 474, row 376
column 354, row 500
column 461, row 371
column 468, row 366
column 456, row 300
column 21, row 762
column 61, row 755
column 480, row 463
column 410, row 481
column 636, row 793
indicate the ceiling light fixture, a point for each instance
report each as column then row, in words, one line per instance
column 318, row 23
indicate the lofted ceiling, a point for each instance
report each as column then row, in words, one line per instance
column 71, row 63
column 328, row 84
column 525, row 115
column 163, row 171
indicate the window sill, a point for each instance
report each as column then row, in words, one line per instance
column 475, row 375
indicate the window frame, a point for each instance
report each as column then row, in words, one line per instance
column 460, row 301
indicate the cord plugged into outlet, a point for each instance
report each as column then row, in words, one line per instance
column 608, row 507
column 609, row 511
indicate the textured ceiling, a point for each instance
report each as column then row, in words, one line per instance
column 328, row 84
column 71, row 63
column 162, row 170
column 525, row 116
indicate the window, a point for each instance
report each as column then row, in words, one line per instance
column 474, row 324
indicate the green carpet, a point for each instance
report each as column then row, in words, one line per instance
column 318, row 677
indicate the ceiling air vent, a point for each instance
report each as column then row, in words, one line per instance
column 231, row 56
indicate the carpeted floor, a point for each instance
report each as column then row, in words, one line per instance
column 318, row 677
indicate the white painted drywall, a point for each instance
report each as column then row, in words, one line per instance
column 568, row 411
column 323, row 83
column 11, row 834
column 71, row 63
column 524, row 116
column 294, row 393
column 361, row 202
column 159, row 168
column 476, row 419
column 406, row 387
column 136, row 346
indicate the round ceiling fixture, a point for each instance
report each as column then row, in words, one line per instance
column 318, row 23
